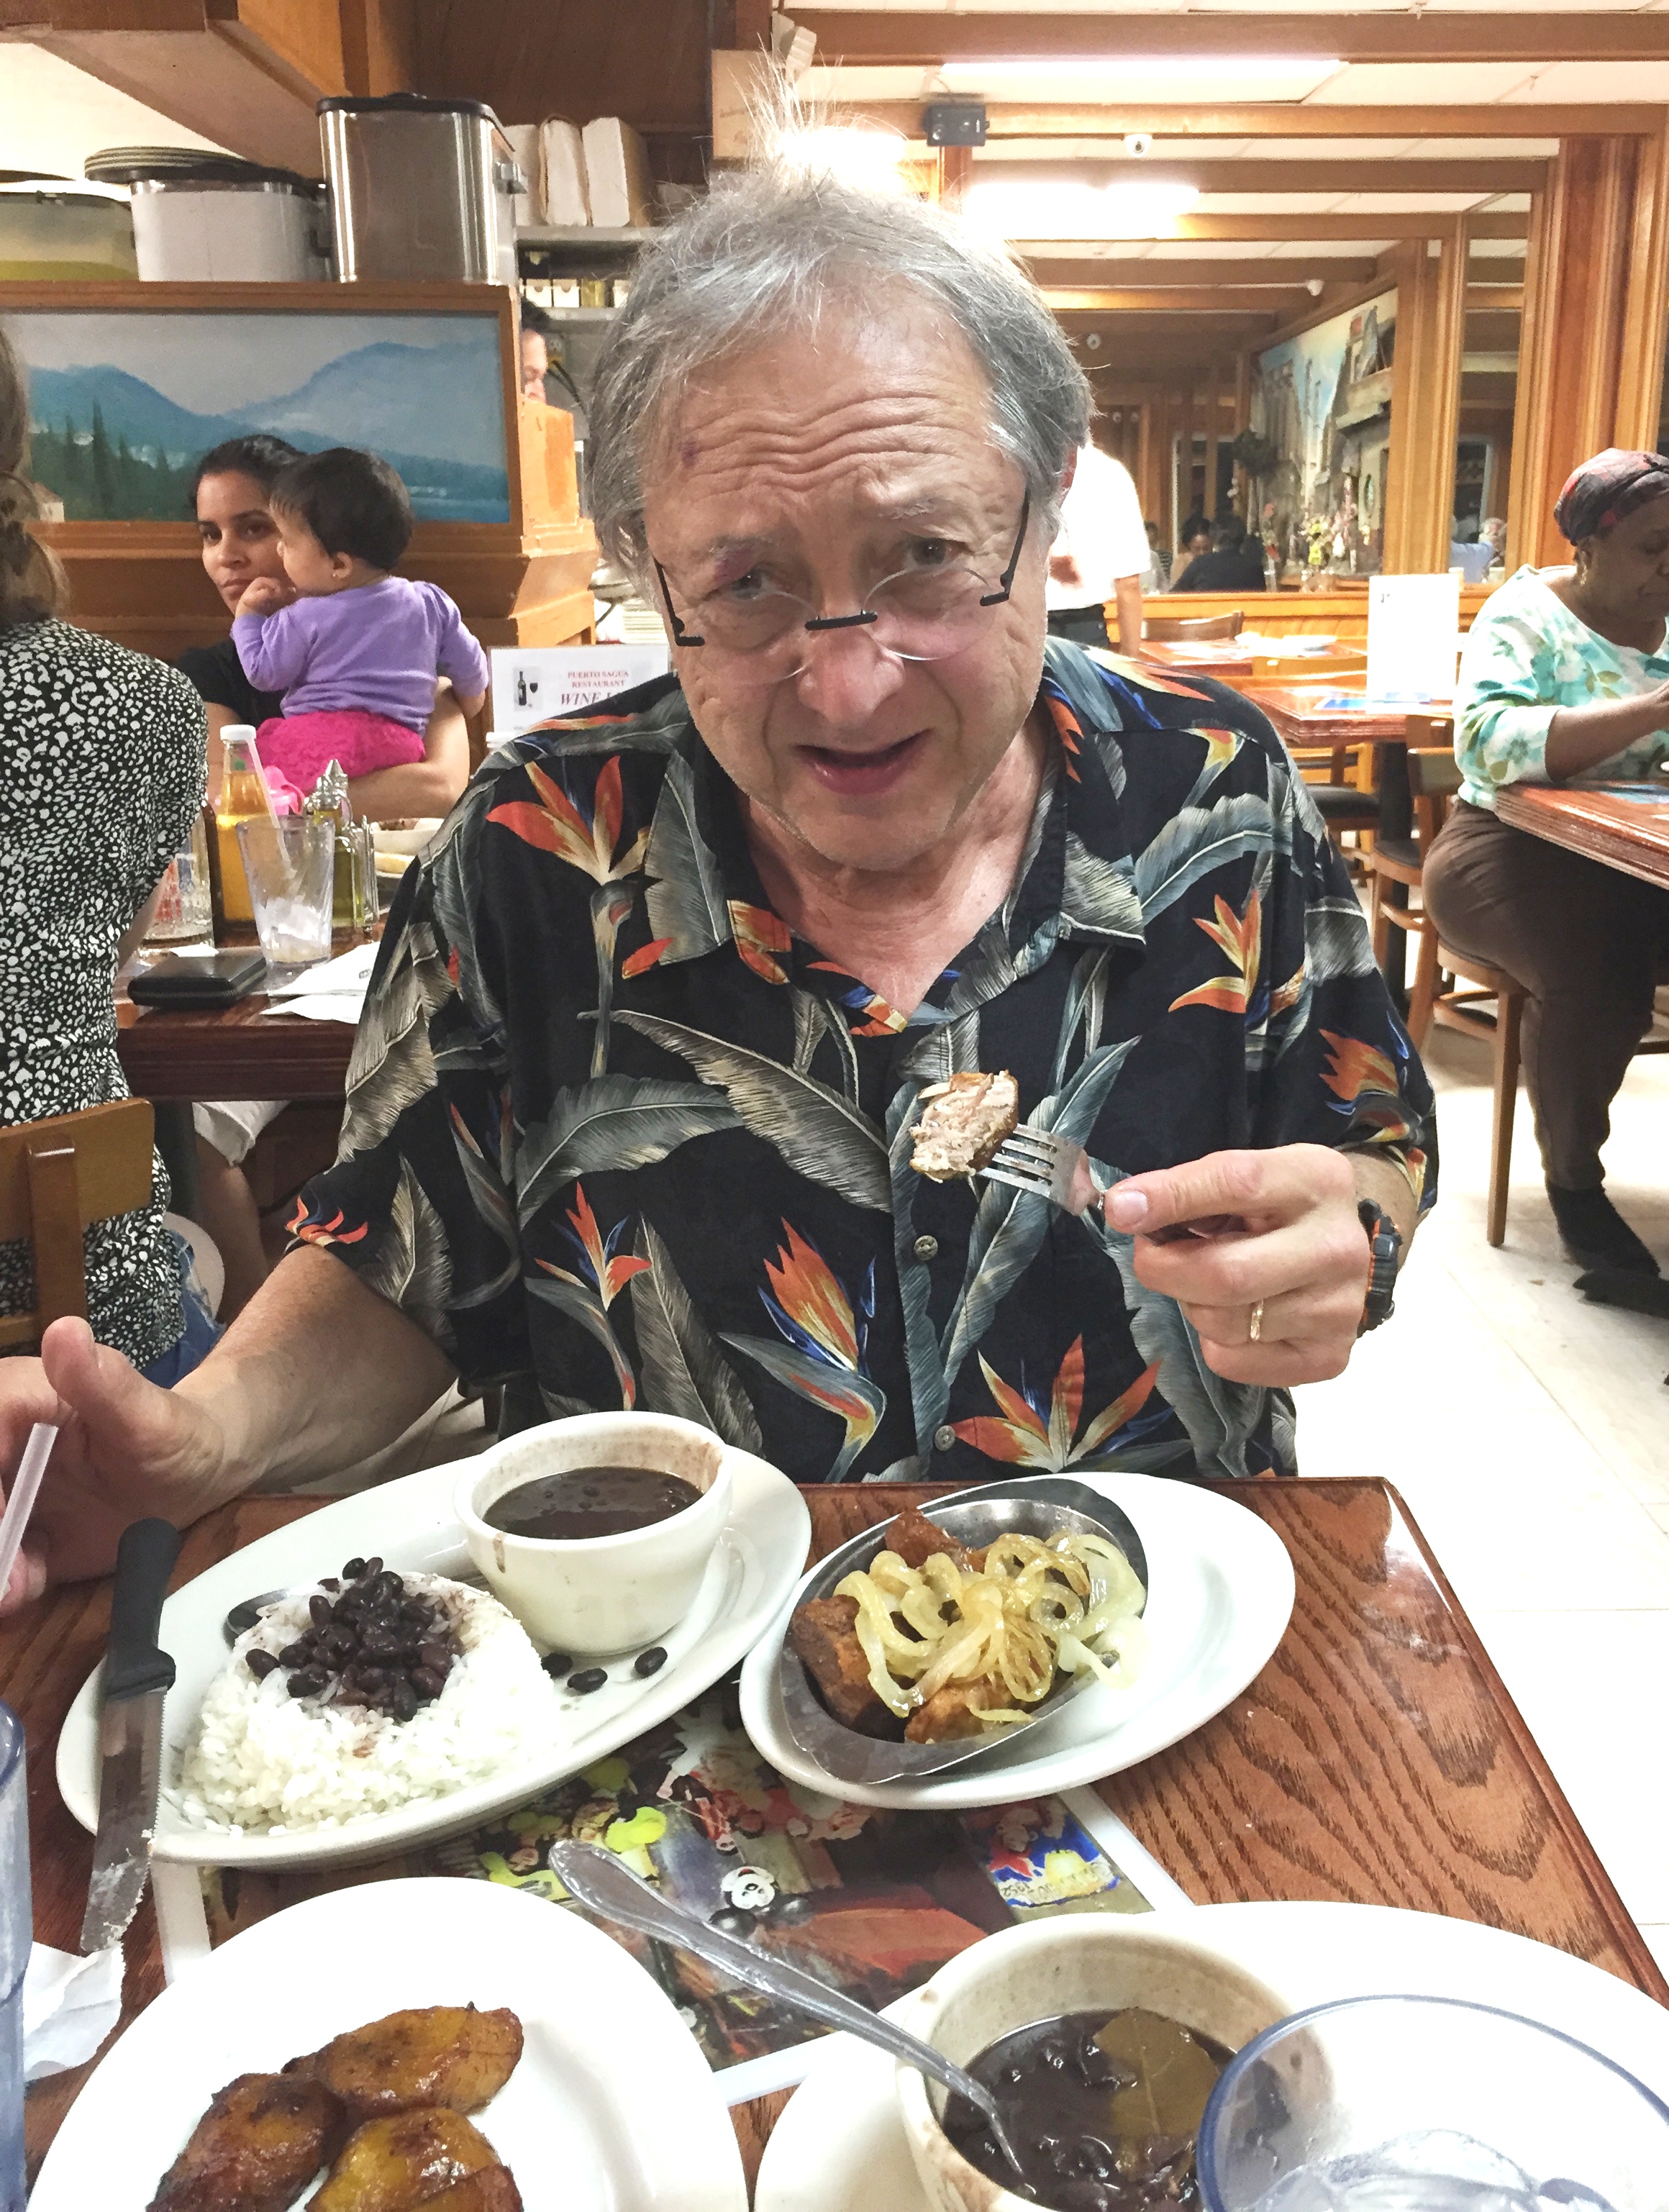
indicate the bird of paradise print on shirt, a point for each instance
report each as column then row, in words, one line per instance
column 309, row 1230
column 1028, row 1433
column 586, row 1297
column 824, row 1358
column 1240, row 936
column 1365, row 1083
column 589, row 839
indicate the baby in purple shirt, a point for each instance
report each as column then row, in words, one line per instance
column 354, row 650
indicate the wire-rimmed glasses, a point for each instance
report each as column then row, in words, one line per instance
column 928, row 613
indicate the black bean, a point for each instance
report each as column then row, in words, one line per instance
column 308, row 1683
column 369, row 1570
column 389, row 1587
column 402, row 1701
column 261, row 1664
column 556, row 1662
column 370, row 1676
column 353, row 1571
column 435, row 1657
column 587, row 1680
column 426, row 1683
column 650, row 1661
column 293, row 1655
column 319, row 1608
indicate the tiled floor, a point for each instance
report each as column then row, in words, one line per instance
column 1529, row 1432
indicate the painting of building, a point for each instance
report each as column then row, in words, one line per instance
column 1321, row 404
column 122, row 403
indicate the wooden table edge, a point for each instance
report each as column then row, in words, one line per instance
column 1604, row 841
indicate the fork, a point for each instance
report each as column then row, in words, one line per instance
column 1052, row 1167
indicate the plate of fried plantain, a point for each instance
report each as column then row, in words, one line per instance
column 444, row 2044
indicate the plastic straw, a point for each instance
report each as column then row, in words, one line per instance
column 20, row 1504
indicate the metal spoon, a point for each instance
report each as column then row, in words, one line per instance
column 598, row 1880
column 244, row 1616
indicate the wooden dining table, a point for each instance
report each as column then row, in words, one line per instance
column 1624, row 825
column 1376, row 1759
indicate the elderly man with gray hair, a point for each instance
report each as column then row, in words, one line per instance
column 630, row 1114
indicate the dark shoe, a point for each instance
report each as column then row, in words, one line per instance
column 1594, row 1233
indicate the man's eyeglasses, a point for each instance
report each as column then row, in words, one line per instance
column 917, row 614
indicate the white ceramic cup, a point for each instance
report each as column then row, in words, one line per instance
column 1075, row 1963
column 600, row 1596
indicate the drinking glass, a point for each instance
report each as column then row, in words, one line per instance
column 1411, row 2104
column 290, row 863
column 16, row 1930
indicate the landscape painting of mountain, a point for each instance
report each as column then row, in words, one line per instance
column 122, row 403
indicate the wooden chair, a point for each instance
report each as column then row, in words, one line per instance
column 1434, row 777
column 1176, row 629
column 57, row 1178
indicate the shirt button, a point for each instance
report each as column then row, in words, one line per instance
column 944, row 1438
column 926, row 1248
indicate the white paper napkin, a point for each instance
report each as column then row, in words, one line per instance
column 329, row 1007
column 346, row 976
column 70, row 2006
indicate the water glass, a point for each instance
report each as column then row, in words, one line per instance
column 1411, row 2104
column 15, row 1932
column 290, row 863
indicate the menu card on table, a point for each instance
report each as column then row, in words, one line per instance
column 873, row 1902
column 1413, row 629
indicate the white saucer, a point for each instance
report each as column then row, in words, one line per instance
column 601, row 2039
column 1220, row 1595
column 410, row 1523
column 840, row 2146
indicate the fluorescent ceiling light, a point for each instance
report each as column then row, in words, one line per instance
column 867, row 157
column 1134, row 210
column 1076, row 66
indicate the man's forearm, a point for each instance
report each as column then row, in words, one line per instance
column 316, row 1372
column 1383, row 1181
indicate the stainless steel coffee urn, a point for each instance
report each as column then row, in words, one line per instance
column 421, row 188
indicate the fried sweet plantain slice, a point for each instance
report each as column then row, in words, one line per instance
column 492, row 2190
column 261, row 2141
column 407, row 2159
column 448, row 2055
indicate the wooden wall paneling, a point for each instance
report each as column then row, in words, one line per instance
column 379, row 46
column 1425, row 404
column 1147, row 470
column 1185, row 452
column 648, row 62
column 1213, row 435
column 1640, row 371
column 956, row 174
column 1585, row 297
column 1243, row 422
column 1282, row 119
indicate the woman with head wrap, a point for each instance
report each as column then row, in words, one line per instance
column 1564, row 678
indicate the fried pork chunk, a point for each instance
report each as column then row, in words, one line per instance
column 255, row 2149
column 964, row 1121
column 446, row 2055
column 409, row 2159
column 915, row 1540
column 821, row 1631
column 955, row 1711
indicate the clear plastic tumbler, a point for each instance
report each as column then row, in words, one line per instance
column 1412, row 2104
column 290, row 863
column 15, row 1930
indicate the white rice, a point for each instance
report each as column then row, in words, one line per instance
column 261, row 1761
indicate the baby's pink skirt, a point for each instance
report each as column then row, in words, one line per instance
column 301, row 747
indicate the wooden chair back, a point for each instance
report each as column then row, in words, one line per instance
column 1173, row 630
column 57, row 1178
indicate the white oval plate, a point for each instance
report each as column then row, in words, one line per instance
column 611, row 2109
column 757, row 1560
column 840, row 2147
column 1219, row 1598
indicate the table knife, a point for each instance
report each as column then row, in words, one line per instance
column 137, row 1677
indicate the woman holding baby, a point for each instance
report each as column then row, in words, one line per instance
column 276, row 572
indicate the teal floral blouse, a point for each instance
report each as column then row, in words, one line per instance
column 1525, row 657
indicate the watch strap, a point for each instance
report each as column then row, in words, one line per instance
column 1385, row 1255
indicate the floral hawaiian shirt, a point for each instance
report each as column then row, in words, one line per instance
column 1525, row 657
column 616, row 1137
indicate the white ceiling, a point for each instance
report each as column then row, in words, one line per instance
column 53, row 115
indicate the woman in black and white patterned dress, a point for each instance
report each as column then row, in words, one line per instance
column 101, row 775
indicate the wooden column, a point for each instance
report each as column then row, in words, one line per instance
column 1425, row 403
column 1146, row 486
column 956, row 174
column 1184, row 454
column 1213, row 433
column 1243, row 422
column 1591, row 352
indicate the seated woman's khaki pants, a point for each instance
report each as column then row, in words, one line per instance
column 1585, row 940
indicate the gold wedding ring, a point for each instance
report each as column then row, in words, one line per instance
column 1254, row 1323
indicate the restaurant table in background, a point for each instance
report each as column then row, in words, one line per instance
column 1625, row 825
column 1377, row 1759
column 1331, row 714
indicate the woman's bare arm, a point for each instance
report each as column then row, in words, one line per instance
column 1579, row 737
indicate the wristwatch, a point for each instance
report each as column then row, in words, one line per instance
column 1385, row 1253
